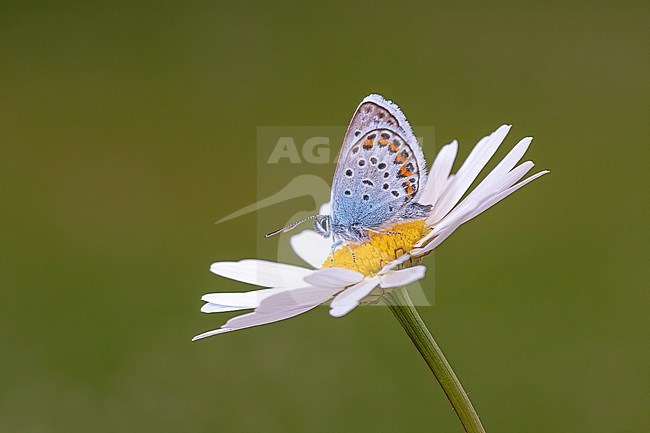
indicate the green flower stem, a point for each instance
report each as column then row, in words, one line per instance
column 402, row 307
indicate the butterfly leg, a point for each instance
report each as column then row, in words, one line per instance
column 354, row 257
column 335, row 245
column 381, row 232
column 338, row 243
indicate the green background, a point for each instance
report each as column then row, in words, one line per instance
column 127, row 130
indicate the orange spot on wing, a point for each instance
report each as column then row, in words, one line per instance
column 393, row 147
column 383, row 142
column 367, row 144
column 408, row 188
column 404, row 171
column 401, row 159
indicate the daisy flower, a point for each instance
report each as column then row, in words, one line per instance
column 363, row 273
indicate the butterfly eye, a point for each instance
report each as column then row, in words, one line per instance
column 324, row 226
column 321, row 225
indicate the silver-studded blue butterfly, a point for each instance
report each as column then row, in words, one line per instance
column 378, row 179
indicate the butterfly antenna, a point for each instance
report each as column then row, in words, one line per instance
column 289, row 227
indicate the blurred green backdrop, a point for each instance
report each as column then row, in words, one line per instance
column 127, row 129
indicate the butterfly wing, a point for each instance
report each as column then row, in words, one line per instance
column 380, row 171
column 372, row 113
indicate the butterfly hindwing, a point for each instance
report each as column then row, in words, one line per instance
column 379, row 177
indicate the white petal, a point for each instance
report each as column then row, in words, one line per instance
column 334, row 277
column 262, row 273
column 311, row 247
column 503, row 168
column 217, row 308
column 284, row 305
column 512, row 158
column 437, row 240
column 210, row 334
column 478, row 157
column 218, row 302
column 503, row 194
column 489, row 188
column 403, row 277
column 296, row 298
column 348, row 299
column 392, row 265
column 439, row 175
column 442, row 231
column 325, row 208
column 469, row 210
column 254, row 319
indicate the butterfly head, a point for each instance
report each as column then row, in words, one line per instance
column 322, row 225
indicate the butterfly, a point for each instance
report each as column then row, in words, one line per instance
column 378, row 178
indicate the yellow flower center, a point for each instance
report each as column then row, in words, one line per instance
column 371, row 256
